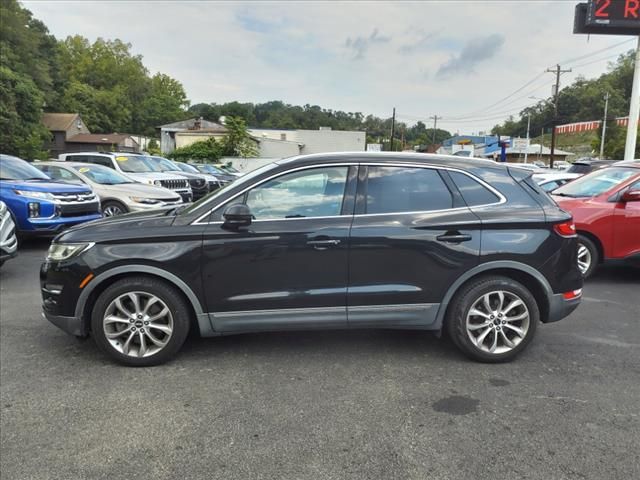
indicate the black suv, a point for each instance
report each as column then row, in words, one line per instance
column 357, row 240
column 588, row 165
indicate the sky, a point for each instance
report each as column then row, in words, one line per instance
column 455, row 59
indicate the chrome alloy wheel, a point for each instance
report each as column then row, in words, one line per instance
column 584, row 258
column 138, row 324
column 497, row 322
column 112, row 211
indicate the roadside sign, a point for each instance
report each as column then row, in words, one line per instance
column 520, row 144
column 374, row 147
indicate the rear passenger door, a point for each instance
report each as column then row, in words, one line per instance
column 411, row 238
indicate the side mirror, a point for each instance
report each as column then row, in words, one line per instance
column 236, row 216
column 631, row 196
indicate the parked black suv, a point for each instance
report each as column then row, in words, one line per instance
column 358, row 240
column 588, row 165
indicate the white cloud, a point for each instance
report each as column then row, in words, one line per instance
column 366, row 57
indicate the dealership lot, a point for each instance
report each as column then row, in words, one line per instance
column 355, row 404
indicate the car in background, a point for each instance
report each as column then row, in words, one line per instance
column 118, row 193
column 198, row 183
column 8, row 238
column 211, row 169
column 135, row 167
column 587, row 165
column 40, row 205
column 605, row 205
column 561, row 165
column 228, row 168
column 550, row 181
column 214, row 183
column 326, row 241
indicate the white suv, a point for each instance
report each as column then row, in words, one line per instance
column 135, row 167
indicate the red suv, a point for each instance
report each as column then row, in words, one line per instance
column 605, row 205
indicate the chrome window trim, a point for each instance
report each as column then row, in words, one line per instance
column 502, row 198
column 197, row 221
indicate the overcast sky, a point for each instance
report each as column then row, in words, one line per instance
column 447, row 58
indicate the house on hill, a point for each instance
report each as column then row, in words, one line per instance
column 70, row 134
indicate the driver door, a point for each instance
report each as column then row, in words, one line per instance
column 288, row 269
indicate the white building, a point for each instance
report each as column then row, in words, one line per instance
column 323, row 140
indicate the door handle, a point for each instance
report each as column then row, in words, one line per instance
column 323, row 244
column 454, row 237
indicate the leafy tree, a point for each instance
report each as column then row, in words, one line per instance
column 237, row 142
column 206, row 150
column 21, row 131
column 615, row 141
column 153, row 147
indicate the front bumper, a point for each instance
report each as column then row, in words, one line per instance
column 54, row 225
column 560, row 307
column 71, row 325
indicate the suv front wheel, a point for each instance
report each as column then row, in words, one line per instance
column 492, row 319
column 140, row 321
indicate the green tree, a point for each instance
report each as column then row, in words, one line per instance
column 237, row 142
column 21, row 131
column 206, row 150
column 153, row 147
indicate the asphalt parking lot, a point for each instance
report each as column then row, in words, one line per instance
column 323, row 405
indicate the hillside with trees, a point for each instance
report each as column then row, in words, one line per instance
column 582, row 101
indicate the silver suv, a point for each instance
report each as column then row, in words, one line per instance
column 136, row 167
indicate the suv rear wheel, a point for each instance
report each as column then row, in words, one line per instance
column 140, row 321
column 492, row 319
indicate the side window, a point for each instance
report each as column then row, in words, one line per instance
column 63, row 174
column 105, row 161
column 76, row 158
column 406, row 189
column 547, row 187
column 473, row 192
column 316, row 192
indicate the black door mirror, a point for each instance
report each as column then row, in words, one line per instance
column 236, row 216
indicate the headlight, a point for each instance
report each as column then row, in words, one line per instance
column 157, row 183
column 64, row 251
column 40, row 195
column 150, row 201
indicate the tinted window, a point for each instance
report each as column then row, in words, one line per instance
column 309, row 193
column 473, row 192
column 579, row 168
column 105, row 161
column 61, row 174
column 406, row 189
column 77, row 158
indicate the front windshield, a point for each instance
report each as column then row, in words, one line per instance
column 164, row 164
column 134, row 164
column 596, row 183
column 14, row 168
column 185, row 167
column 242, row 182
column 102, row 175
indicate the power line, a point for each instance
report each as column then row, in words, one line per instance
column 582, row 57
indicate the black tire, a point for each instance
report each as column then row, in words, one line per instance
column 594, row 255
column 115, row 205
column 168, row 294
column 467, row 296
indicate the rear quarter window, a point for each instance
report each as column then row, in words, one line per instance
column 473, row 192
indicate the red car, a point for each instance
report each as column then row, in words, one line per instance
column 605, row 205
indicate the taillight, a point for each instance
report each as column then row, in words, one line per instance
column 566, row 229
column 572, row 294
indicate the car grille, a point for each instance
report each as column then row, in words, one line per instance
column 174, row 184
column 74, row 197
column 77, row 209
column 197, row 183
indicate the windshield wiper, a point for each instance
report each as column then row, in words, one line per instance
column 563, row 195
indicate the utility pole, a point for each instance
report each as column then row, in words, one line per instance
column 634, row 111
column 558, row 71
column 435, row 119
column 604, row 124
column 541, row 141
column 393, row 128
column 526, row 149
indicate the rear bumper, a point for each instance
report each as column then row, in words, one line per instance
column 560, row 307
column 71, row 325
